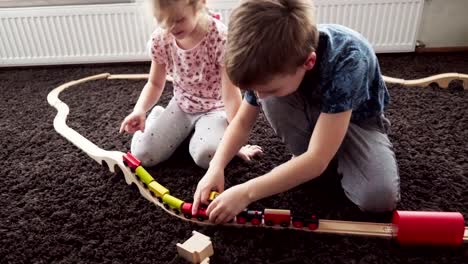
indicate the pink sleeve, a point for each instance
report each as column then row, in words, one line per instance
column 158, row 47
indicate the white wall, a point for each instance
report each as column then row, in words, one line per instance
column 444, row 23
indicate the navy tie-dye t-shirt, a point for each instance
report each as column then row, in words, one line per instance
column 346, row 76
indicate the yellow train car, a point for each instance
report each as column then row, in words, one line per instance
column 143, row 175
column 158, row 190
column 213, row 195
column 172, row 203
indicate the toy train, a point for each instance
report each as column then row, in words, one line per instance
column 434, row 228
column 268, row 217
column 407, row 227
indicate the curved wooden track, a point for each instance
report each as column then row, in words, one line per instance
column 113, row 159
column 443, row 80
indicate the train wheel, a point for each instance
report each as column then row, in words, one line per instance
column 126, row 165
column 255, row 221
column 188, row 216
column 298, row 224
column 269, row 223
column 176, row 211
column 241, row 220
column 284, row 224
column 166, row 206
column 200, row 218
column 160, row 199
column 312, row 226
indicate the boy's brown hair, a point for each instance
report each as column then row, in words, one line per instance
column 269, row 37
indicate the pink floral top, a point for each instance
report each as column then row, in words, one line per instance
column 197, row 71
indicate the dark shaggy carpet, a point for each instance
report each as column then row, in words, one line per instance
column 59, row 206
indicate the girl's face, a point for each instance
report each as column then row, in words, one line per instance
column 182, row 21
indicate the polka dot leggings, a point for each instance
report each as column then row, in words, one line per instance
column 166, row 129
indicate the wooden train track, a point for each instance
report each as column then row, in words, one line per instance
column 442, row 80
column 114, row 159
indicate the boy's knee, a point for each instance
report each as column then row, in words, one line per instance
column 379, row 198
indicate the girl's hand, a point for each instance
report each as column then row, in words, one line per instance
column 133, row 122
column 228, row 204
column 247, row 152
column 212, row 181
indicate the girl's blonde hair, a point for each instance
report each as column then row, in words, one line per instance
column 163, row 10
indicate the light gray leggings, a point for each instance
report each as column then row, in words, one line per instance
column 166, row 129
column 365, row 159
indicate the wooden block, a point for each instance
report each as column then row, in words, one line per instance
column 205, row 261
column 196, row 249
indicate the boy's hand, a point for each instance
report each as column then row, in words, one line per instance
column 133, row 122
column 228, row 204
column 212, row 181
column 247, row 152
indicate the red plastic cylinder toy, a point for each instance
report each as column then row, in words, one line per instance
column 434, row 228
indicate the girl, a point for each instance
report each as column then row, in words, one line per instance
column 189, row 46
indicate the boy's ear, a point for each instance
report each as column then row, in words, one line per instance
column 310, row 61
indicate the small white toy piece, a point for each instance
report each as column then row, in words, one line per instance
column 196, row 249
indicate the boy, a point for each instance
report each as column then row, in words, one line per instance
column 321, row 90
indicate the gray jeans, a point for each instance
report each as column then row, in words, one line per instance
column 166, row 129
column 365, row 159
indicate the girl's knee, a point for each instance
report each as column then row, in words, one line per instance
column 143, row 155
column 145, row 152
column 203, row 156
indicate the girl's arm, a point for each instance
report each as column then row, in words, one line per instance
column 231, row 95
column 153, row 88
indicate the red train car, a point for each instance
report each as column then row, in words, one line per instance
column 186, row 210
column 277, row 217
column 249, row 216
column 311, row 222
column 131, row 161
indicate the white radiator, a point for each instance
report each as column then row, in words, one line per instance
column 119, row 32
column 389, row 25
column 73, row 34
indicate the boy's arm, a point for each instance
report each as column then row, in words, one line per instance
column 235, row 136
column 153, row 88
column 231, row 95
column 325, row 141
column 232, row 99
